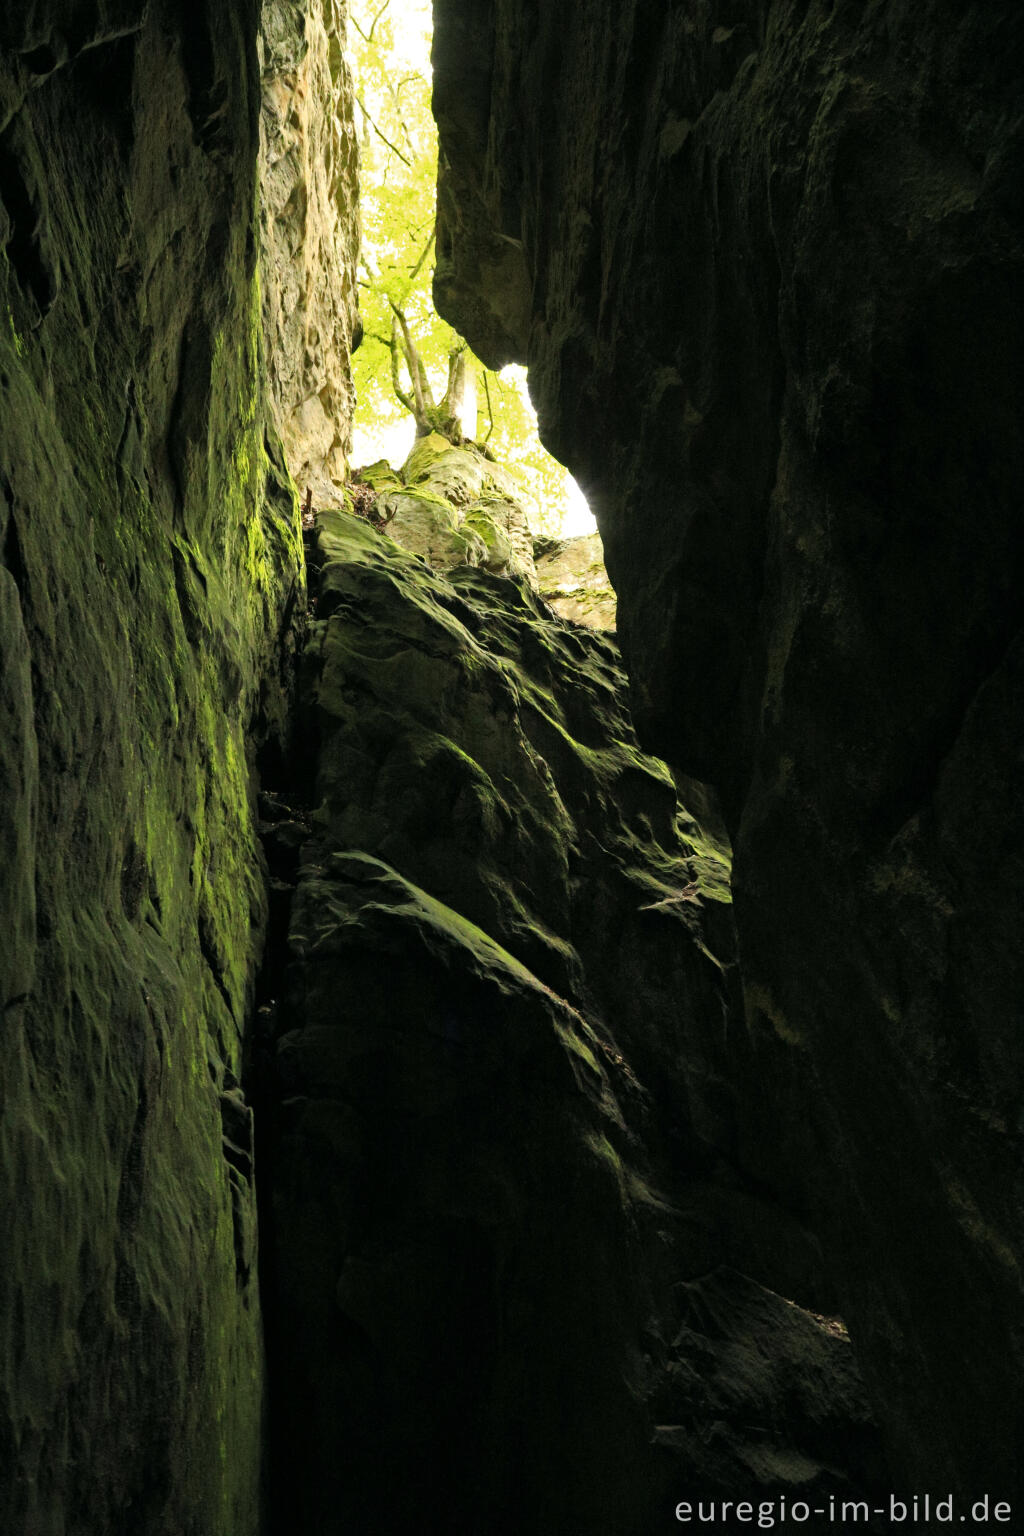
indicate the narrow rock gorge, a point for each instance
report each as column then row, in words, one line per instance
column 459, row 1075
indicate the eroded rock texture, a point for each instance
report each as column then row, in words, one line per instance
column 518, row 1280
column 150, row 560
column 309, row 190
column 764, row 262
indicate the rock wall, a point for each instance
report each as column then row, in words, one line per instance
column 517, row 1278
column 150, row 571
column 572, row 578
column 309, row 191
column 764, row 263
column 455, row 506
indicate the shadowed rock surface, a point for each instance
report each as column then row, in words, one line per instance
column 507, row 1225
column 764, row 262
column 561, row 1192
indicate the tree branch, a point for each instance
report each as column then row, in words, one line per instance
column 453, row 405
column 396, row 382
column 417, row 372
column 423, row 254
column 380, row 135
column 373, row 25
column 396, row 102
column 490, row 407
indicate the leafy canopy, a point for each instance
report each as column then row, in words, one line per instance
column 390, row 46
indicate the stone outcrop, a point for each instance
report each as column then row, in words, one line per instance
column 517, row 1276
column 572, row 579
column 765, row 263
column 151, row 566
column 309, row 191
column 454, row 506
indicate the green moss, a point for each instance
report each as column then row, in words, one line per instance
column 425, row 453
column 19, row 345
column 149, row 609
column 379, row 476
column 478, row 743
column 495, row 538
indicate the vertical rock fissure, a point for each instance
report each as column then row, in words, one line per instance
column 285, row 799
column 512, row 1256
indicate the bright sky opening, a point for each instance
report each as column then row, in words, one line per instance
column 399, row 146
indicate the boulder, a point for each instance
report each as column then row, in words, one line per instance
column 454, row 506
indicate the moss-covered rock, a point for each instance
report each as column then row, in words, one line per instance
column 150, row 563
column 379, row 476
column 517, row 1268
column 454, row 506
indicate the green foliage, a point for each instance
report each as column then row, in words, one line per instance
column 398, row 154
column 390, row 44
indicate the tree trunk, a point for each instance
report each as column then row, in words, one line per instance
column 418, row 399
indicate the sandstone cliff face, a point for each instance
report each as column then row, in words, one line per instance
column 309, row 192
column 764, row 262
column 572, row 578
column 514, row 1268
column 150, row 562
